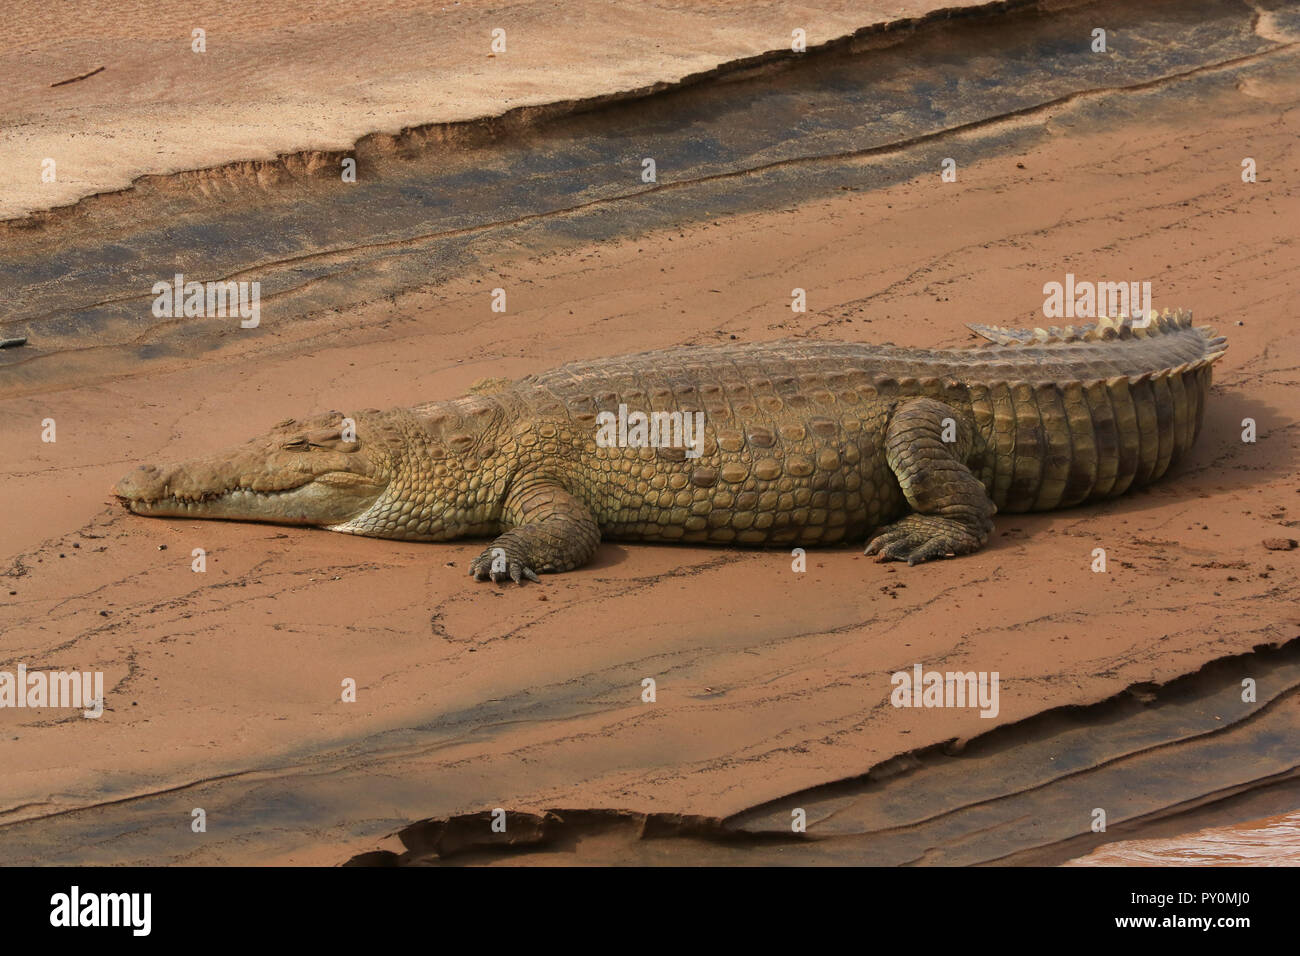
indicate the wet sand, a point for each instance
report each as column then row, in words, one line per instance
column 223, row 687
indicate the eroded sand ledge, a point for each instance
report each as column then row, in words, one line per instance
column 295, row 80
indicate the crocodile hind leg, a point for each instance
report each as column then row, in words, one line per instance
column 952, row 511
column 549, row 530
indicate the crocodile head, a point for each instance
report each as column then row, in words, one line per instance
column 306, row 473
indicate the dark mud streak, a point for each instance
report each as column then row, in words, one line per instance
column 1010, row 739
column 468, row 838
column 1243, row 802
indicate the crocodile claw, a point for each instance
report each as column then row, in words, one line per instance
column 918, row 538
column 498, row 565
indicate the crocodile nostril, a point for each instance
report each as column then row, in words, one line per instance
column 138, row 481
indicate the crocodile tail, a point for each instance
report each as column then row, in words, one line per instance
column 1103, row 330
column 1097, row 431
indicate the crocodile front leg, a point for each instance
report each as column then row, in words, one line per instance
column 953, row 513
column 550, row 531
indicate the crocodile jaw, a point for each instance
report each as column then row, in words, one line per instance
column 328, row 499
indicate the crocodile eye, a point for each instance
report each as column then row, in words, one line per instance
column 296, row 444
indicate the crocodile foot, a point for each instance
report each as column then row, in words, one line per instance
column 918, row 538
column 504, row 559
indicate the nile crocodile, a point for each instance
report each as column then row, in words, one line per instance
column 801, row 443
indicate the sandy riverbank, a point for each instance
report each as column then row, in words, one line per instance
column 224, row 686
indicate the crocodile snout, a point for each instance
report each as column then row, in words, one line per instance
column 141, row 483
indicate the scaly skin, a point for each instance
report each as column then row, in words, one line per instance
column 803, row 443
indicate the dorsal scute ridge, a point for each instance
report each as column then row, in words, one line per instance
column 1104, row 329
